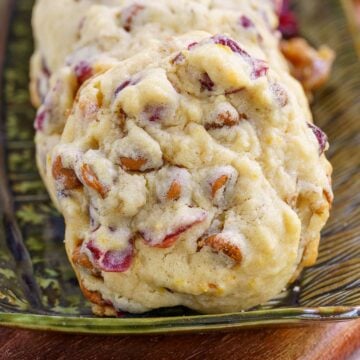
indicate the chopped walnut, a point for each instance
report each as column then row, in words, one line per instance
column 218, row 184
column 81, row 259
column 310, row 66
column 132, row 164
column 174, row 191
column 221, row 182
column 66, row 177
column 91, row 180
column 219, row 244
column 93, row 296
column 224, row 114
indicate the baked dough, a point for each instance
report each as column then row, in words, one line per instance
column 180, row 151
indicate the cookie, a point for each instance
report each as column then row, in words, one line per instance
column 188, row 174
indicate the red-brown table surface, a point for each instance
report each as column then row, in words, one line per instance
column 317, row 342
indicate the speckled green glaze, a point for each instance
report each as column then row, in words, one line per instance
column 38, row 288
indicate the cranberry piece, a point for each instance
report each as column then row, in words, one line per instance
column 192, row 45
column 95, row 251
column 129, row 14
column 122, row 86
column 206, row 82
column 320, row 136
column 125, row 84
column 83, row 71
column 260, row 68
column 178, row 59
column 245, row 22
column 112, row 260
column 154, row 112
column 44, row 68
column 117, row 261
column 234, row 46
column 169, row 239
column 41, row 117
column 288, row 25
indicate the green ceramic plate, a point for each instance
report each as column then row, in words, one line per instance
column 38, row 288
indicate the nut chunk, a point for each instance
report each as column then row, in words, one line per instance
column 64, row 176
column 221, row 182
column 219, row 243
column 137, row 151
column 173, row 184
column 311, row 67
column 92, row 180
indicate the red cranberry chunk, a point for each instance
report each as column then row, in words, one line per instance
column 129, row 14
column 117, row 261
column 288, row 25
column 234, row 46
column 154, row 113
column 171, row 238
column 122, row 86
column 178, row 59
column 44, row 68
column 125, row 84
column 111, row 260
column 260, row 68
column 320, row 136
column 40, row 119
column 95, row 251
column 245, row 22
column 170, row 235
column 192, row 45
column 206, row 82
column 83, row 71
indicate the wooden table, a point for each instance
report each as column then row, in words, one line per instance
column 321, row 342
